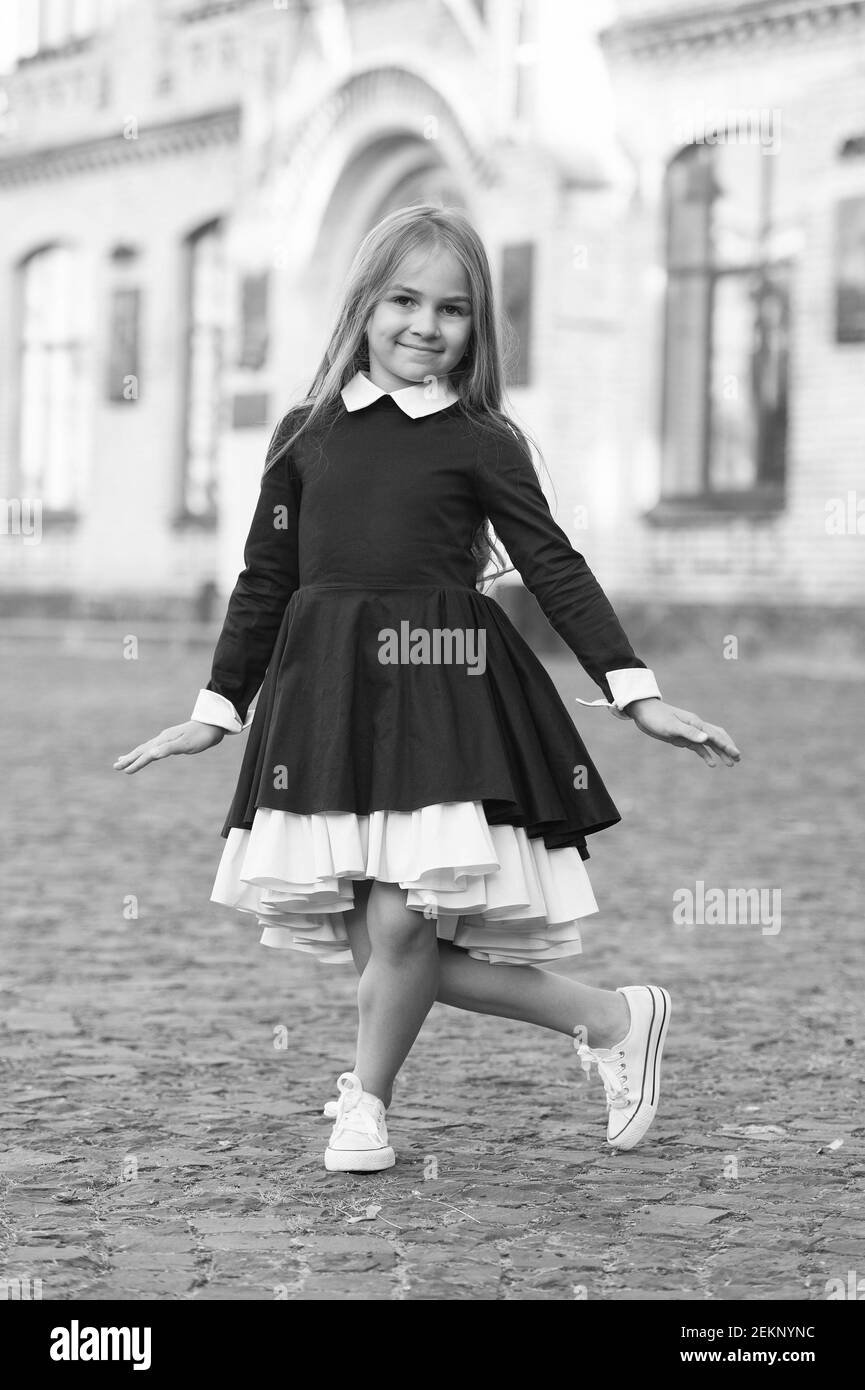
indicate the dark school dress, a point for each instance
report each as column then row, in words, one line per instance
column 404, row 730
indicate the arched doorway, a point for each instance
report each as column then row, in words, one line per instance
column 383, row 139
column 435, row 185
column 389, row 173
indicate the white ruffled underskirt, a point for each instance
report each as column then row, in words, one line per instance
column 494, row 892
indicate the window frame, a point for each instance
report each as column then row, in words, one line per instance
column 184, row 516
column 764, row 496
column 69, row 515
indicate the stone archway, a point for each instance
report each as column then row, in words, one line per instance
column 377, row 115
column 383, row 138
column 387, row 173
column 433, row 185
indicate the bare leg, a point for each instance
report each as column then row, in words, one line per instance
column 514, row 991
column 520, row 992
column 355, row 920
column 532, row 995
column 397, row 988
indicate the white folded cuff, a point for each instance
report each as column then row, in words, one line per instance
column 211, row 708
column 632, row 683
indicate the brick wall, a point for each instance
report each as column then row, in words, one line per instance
column 816, row 80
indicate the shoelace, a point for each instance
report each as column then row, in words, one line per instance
column 350, row 1114
column 611, row 1070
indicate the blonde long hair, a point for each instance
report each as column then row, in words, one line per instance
column 477, row 378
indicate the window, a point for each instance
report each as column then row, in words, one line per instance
column 47, row 26
column 517, row 281
column 850, row 270
column 525, row 61
column 123, row 372
column 54, row 385
column 254, row 327
column 727, row 327
column 204, row 347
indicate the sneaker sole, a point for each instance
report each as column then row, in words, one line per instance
column 358, row 1160
column 643, row 1116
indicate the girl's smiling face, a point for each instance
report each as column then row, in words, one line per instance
column 421, row 325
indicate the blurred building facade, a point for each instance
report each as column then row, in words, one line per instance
column 673, row 210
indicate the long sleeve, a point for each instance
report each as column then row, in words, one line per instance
column 570, row 597
column 259, row 598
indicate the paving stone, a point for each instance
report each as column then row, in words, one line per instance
column 645, row 1295
column 147, row 1259
column 18, row 1158
column 340, row 1289
column 360, row 1261
column 155, row 1039
column 254, row 1241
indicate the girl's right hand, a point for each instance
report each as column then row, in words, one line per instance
column 191, row 737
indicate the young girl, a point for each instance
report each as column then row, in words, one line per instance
column 413, row 793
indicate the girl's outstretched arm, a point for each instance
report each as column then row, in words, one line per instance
column 191, row 737
column 569, row 595
column 264, row 586
column 684, row 730
column 255, row 611
column 574, row 603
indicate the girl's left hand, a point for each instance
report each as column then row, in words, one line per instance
column 684, row 730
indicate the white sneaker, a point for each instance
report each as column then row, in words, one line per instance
column 358, row 1141
column 631, row 1071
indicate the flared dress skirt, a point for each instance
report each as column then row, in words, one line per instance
column 465, row 782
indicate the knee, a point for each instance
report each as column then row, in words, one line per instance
column 358, row 941
column 356, row 926
column 397, row 932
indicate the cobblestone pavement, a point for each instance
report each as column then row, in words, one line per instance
column 162, row 1143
